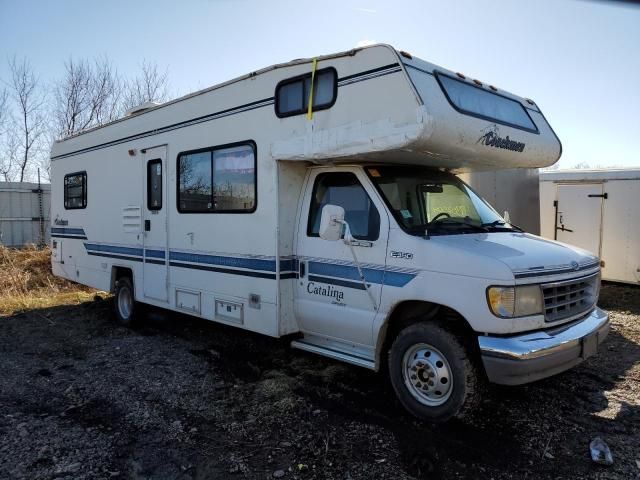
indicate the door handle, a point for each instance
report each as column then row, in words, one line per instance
column 147, row 225
column 302, row 270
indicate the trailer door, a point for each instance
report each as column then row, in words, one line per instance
column 579, row 217
column 155, row 224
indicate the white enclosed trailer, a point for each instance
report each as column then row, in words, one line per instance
column 597, row 210
column 341, row 224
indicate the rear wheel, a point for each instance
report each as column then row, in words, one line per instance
column 432, row 374
column 125, row 304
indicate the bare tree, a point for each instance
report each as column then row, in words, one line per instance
column 582, row 166
column 9, row 159
column 4, row 109
column 72, row 98
column 30, row 120
column 151, row 85
column 107, row 91
column 87, row 96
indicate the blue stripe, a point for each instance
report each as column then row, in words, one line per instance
column 248, row 263
column 347, row 272
column 379, row 276
column 289, row 265
column 343, row 272
column 113, row 249
column 397, row 279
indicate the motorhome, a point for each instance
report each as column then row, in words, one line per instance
column 316, row 200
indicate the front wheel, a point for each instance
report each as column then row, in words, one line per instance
column 432, row 374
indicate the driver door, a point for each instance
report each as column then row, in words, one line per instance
column 331, row 300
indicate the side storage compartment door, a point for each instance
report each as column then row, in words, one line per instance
column 331, row 301
column 155, row 268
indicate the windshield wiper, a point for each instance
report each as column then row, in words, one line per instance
column 502, row 223
column 437, row 223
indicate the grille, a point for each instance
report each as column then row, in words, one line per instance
column 570, row 299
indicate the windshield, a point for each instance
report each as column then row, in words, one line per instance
column 431, row 202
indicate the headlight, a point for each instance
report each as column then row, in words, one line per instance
column 509, row 302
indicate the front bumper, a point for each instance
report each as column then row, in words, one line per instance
column 531, row 356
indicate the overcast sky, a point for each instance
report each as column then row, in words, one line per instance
column 579, row 60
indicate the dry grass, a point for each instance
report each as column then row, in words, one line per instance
column 26, row 282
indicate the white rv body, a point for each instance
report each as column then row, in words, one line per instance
column 266, row 269
column 596, row 210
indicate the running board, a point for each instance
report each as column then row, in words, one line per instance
column 336, row 354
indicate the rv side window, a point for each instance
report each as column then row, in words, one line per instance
column 344, row 190
column 292, row 95
column 475, row 101
column 217, row 180
column 154, row 184
column 75, row 190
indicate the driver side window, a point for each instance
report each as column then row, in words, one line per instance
column 344, row 189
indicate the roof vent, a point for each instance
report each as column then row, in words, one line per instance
column 141, row 108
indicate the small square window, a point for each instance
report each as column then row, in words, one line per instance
column 292, row 95
column 75, row 190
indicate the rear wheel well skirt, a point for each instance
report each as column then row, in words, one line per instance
column 118, row 272
column 408, row 312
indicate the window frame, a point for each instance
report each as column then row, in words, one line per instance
column 155, row 161
column 84, row 190
column 249, row 143
column 302, row 78
column 438, row 74
column 313, row 195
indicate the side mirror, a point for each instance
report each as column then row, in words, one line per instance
column 331, row 222
column 506, row 216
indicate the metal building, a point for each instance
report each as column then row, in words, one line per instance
column 516, row 191
column 24, row 213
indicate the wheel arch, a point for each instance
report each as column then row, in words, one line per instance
column 407, row 313
column 118, row 272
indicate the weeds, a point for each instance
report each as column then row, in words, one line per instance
column 26, row 282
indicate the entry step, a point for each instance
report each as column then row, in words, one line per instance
column 336, row 350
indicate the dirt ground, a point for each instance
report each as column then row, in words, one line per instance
column 181, row 398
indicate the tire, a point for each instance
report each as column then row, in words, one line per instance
column 124, row 303
column 432, row 374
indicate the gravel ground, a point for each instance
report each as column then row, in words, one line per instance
column 82, row 398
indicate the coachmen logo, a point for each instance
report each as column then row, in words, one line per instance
column 491, row 137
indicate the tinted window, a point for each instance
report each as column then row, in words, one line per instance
column 217, row 180
column 154, row 184
column 75, row 190
column 292, row 96
column 471, row 99
column 344, row 190
column 194, row 172
column 234, row 175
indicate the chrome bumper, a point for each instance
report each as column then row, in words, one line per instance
column 531, row 356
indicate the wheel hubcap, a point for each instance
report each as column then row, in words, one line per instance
column 125, row 302
column 427, row 374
